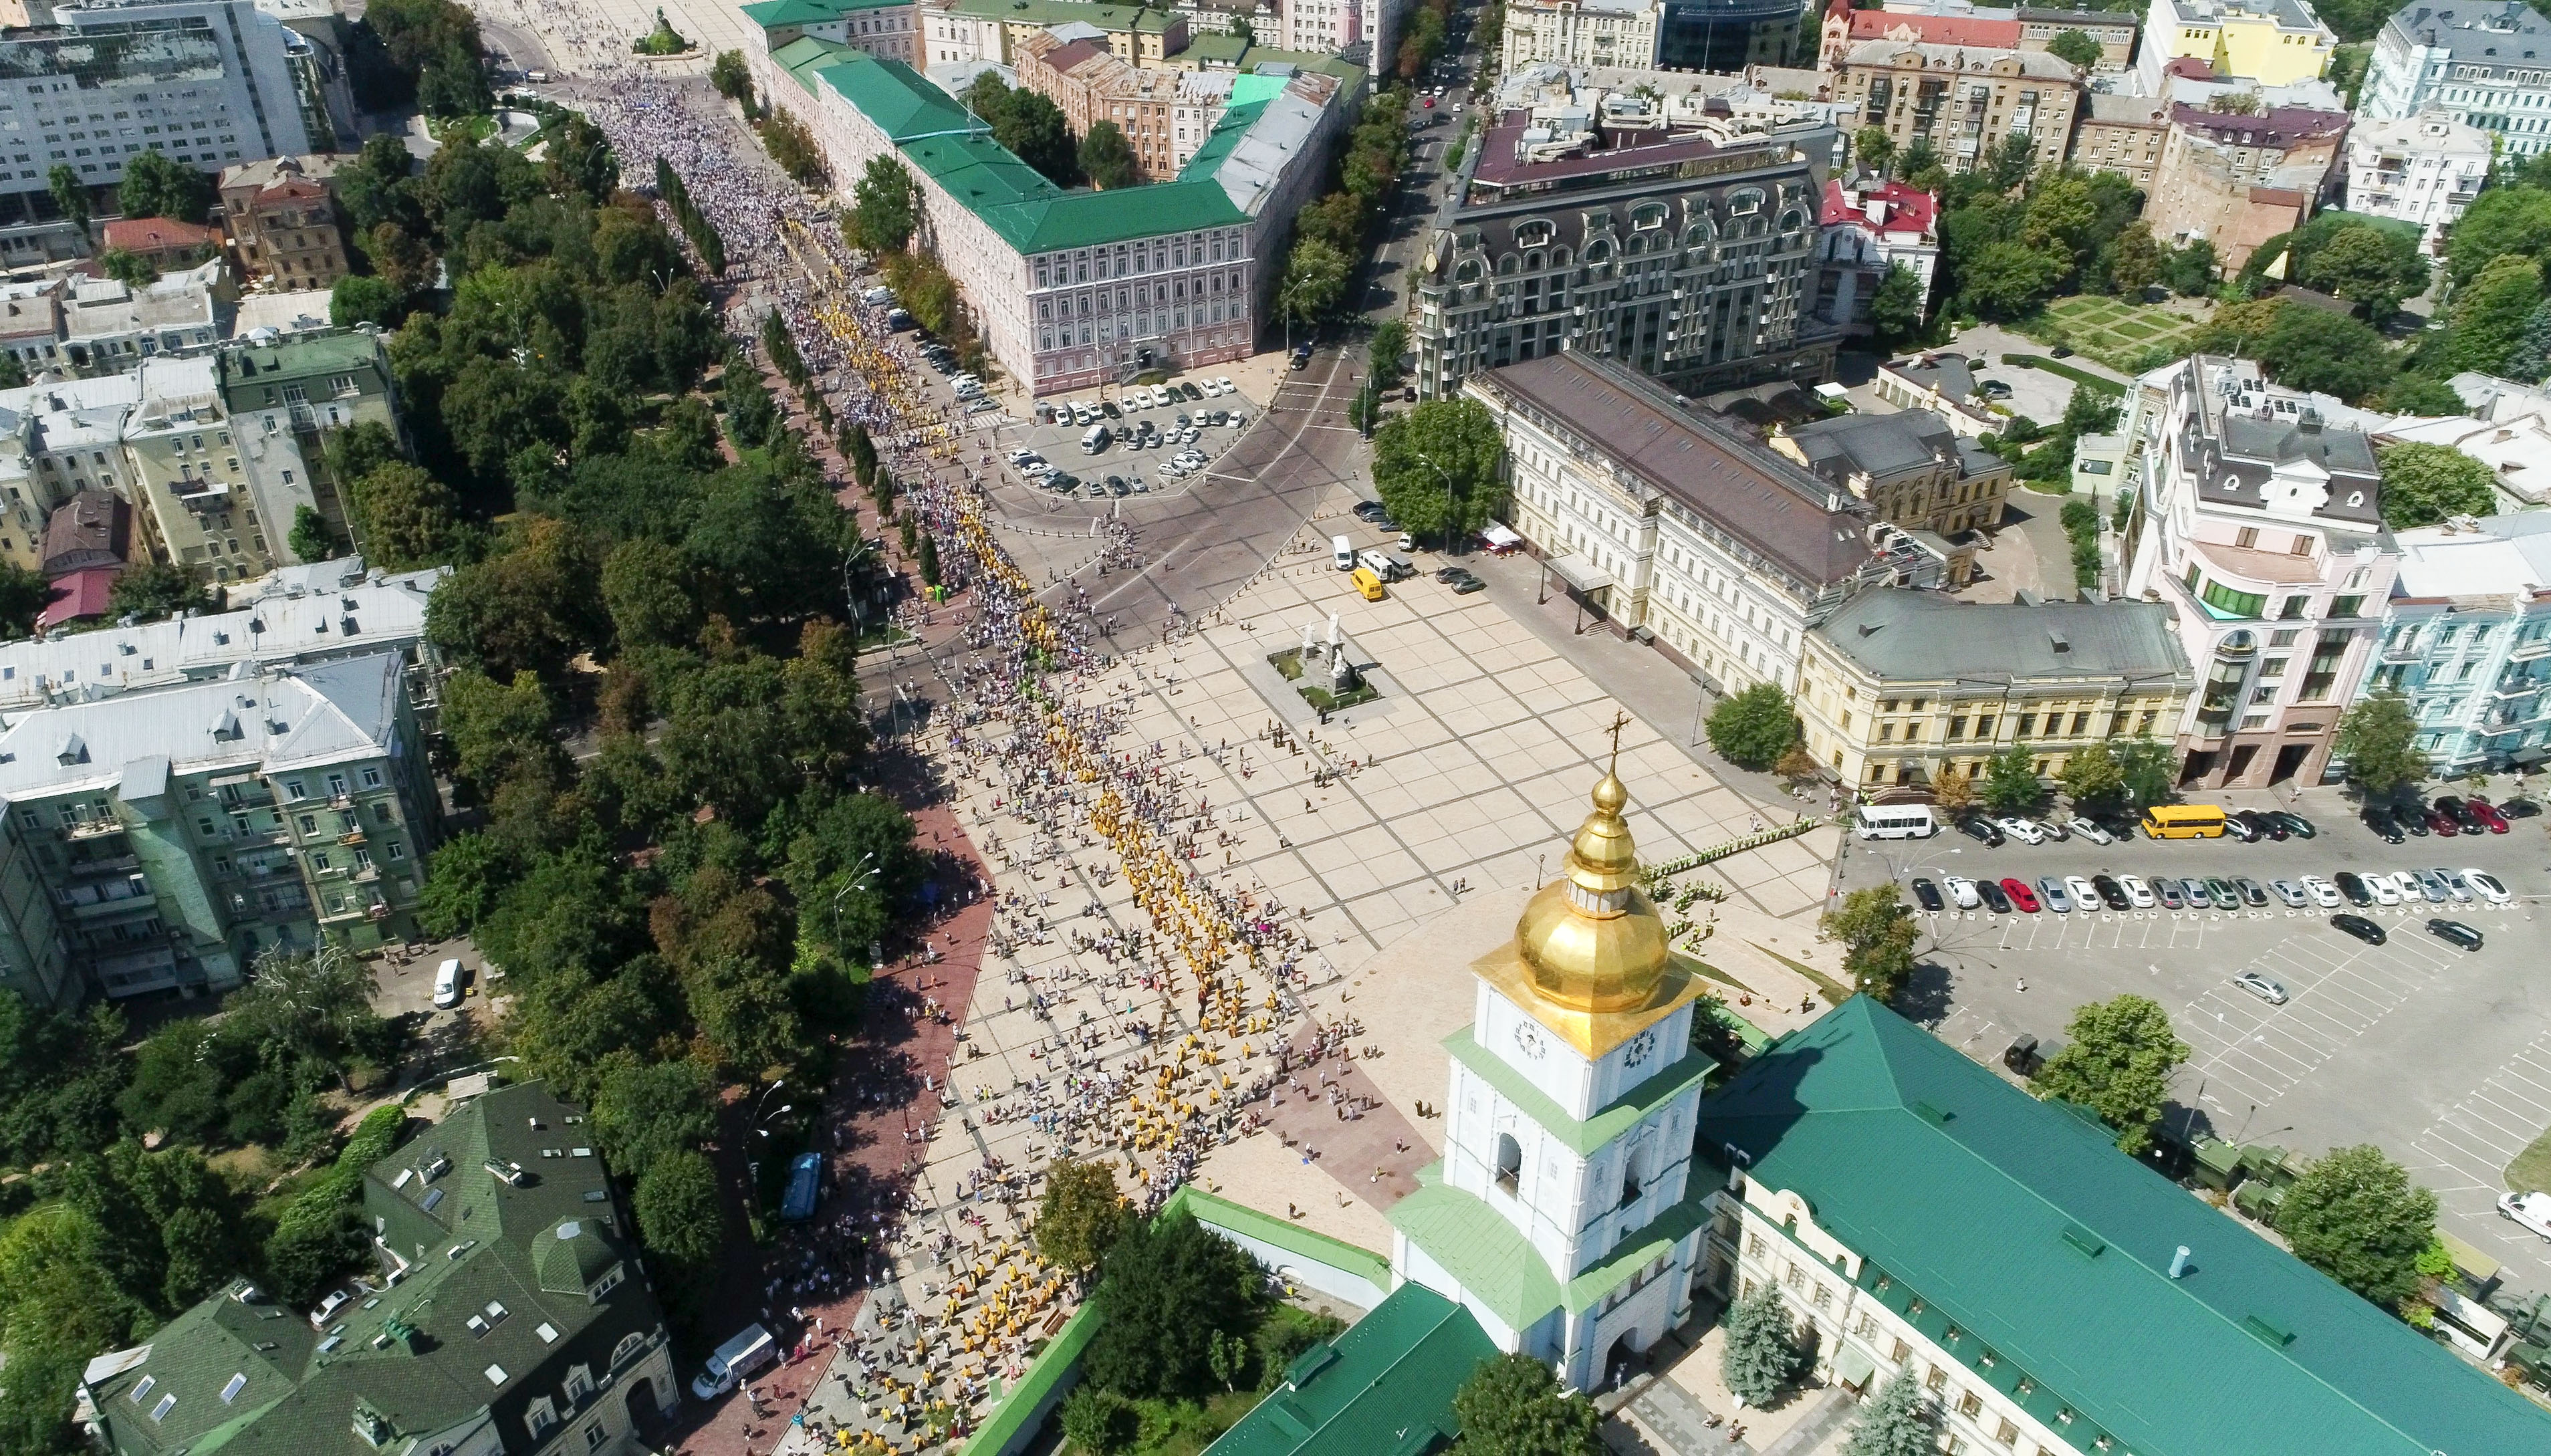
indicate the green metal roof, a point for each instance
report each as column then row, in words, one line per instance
column 1280, row 1233
column 2032, row 1236
column 800, row 60
column 955, row 150
column 1477, row 1246
column 1384, row 1387
column 1609, row 1122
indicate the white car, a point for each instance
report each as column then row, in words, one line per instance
column 1961, row 892
column 1227, row 386
column 2323, row 893
column 2533, row 1211
column 2090, row 831
column 328, row 1308
column 2380, row 887
column 2085, row 894
column 2487, row 885
column 2023, row 830
column 2137, row 892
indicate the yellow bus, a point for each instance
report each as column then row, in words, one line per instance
column 2183, row 821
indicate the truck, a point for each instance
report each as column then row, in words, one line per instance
column 751, row 1349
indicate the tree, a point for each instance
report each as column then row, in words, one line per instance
column 1797, row 764
column 678, row 1209
column 1389, row 342
column 2489, row 312
column 2355, row 1217
column 1168, row 1286
column 1436, row 468
column 69, row 194
column 1753, row 727
column 2075, row 47
column 2133, row 260
column 1876, row 931
column 362, row 298
column 733, row 78
column 1900, row 1421
column 2501, row 222
column 155, row 186
column 1953, row 791
column 885, row 206
column 1099, row 1422
column 154, row 590
column 1872, row 147
column 2357, row 263
column 2008, row 279
column 128, row 267
column 1762, row 1352
column 1080, row 1215
column 2190, row 270
column 1895, row 310
column 24, row 594
column 2147, row 768
column 1512, row 1405
column 2531, row 359
column 1107, row 157
column 406, row 517
column 311, row 540
column 1315, row 281
column 2427, row 483
column 2118, row 1062
column 2093, row 776
column 2010, row 783
column 2379, row 738
column 647, row 1112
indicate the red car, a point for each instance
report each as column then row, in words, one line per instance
column 2487, row 812
column 2443, row 823
column 2020, row 894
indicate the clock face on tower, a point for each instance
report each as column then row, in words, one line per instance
column 1641, row 1044
column 1529, row 1041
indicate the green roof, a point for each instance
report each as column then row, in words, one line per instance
column 1609, row 1122
column 301, row 356
column 2029, row 1233
column 800, row 60
column 1475, row 1244
column 1282, row 1233
column 1064, row 12
column 1062, row 1357
column 1384, row 1387
column 955, row 150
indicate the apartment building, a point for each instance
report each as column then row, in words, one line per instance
column 2486, row 65
column 890, row 29
column 1582, row 33
column 2423, row 169
column 1914, row 470
column 511, row 1315
column 1866, row 227
column 2240, row 181
column 1668, row 521
column 2262, row 532
column 1608, row 220
column 1959, row 100
column 1845, row 26
column 1925, row 1220
column 2114, row 30
column 2271, row 42
column 1896, row 686
column 994, row 29
column 2122, row 134
column 289, row 392
column 1727, row 36
column 1165, row 115
column 2466, row 637
column 282, row 220
column 161, row 242
column 108, row 324
column 30, row 323
column 180, row 832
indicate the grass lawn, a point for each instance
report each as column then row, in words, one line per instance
column 2110, row 330
column 2531, row 1170
column 2059, row 367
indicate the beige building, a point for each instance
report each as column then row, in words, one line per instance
column 2238, row 180
column 1165, row 114
column 2122, row 134
column 1961, row 101
column 2114, row 30
column 1896, row 685
column 1582, row 33
column 1911, row 467
column 954, row 31
column 281, row 215
column 886, row 28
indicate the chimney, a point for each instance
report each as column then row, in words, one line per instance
column 2178, row 1263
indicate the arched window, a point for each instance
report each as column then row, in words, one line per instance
column 1510, row 1163
column 627, row 1349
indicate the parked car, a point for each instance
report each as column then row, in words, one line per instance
column 2533, row 1211
column 2323, row 893
column 2487, row 815
column 2167, row 890
column 1981, row 830
column 2350, row 886
column 2052, row 890
column 1927, row 894
column 2199, row 896
column 2137, row 892
column 2026, row 831
column 2111, row 892
column 2360, row 927
column 2247, row 890
column 2020, row 894
column 2413, row 819
column 2461, row 813
column 2385, row 891
column 2089, row 829
column 2454, row 884
column 2260, row 986
column 2380, row 821
column 2455, row 932
column 2424, row 882
column 1961, row 892
column 2487, row 885
column 2244, row 825
column 2294, row 823
column 2519, row 808
column 2440, row 821
column 1995, row 897
column 2290, row 893
column 2084, row 893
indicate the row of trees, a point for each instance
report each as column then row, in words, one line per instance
column 424, row 54
column 1330, row 233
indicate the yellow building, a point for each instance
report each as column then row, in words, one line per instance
column 2274, row 42
column 1899, row 684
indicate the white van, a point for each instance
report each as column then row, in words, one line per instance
column 734, row 1361
column 880, row 296
column 1344, row 550
column 1894, row 821
column 447, row 986
column 1096, row 441
column 1376, row 562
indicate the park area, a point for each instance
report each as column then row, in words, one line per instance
column 2114, row 332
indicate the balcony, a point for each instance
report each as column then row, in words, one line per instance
column 114, row 865
column 107, row 907
column 2529, row 649
column 350, row 836
column 2408, row 649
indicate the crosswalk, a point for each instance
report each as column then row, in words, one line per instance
column 2245, row 1054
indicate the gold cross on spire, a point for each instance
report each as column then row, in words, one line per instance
column 1619, row 722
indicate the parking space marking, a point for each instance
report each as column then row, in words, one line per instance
column 2479, row 1135
column 2243, row 1047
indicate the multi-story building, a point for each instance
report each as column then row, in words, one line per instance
column 1926, row 1221
column 2122, row 134
column 1910, row 466
column 1866, row 228
column 1224, row 17
column 1961, row 101
column 511, row 1316
column 1595, row 33
column 1165, row 115
column 1942, row 385
column 108, row 324
column 1366, row 32
column 2467, row 639
column 1897, row 686
column 181, row 831
column 203, row 82
column 2270, row 42
column 1635, row 227
column 2262, row 532
column 2238, row 180
column 885, row 28
column 994, row 29
column 164, row 243
column 1845, row 26
column 1723, row 35
column 1069, row 288
column 1663, row 518
column 281, row 217
column 298, row 389
column 2423, row 170
column 30, row 323
column 2114, row 30
column 211, row 495
column 2481, row 65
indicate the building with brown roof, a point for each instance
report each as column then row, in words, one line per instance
column 2239, row 180
column 282, row 220
column 1845, row 27
column 164, row 241
column 94, row 528
column 1961, row 99
column 1165, row 115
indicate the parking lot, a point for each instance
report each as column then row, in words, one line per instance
column 1143, row 471
column 2439, row 1056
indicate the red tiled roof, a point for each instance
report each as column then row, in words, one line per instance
column 155, row 233
column 83, row 594
column 1937, row 30
column 1908, row 209
column 1062, row 58
column 2281, row 127
column 2192, row 67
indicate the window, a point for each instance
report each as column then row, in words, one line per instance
column 595, row 1435
column 2229, row 602
column 2248, row 535
column 1510, row 1163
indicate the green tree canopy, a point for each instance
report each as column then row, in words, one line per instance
column 2488, row 313
column 1436, row 468
column 2117, row 1060
column 1315, row 281
column 2427, row 483
column 1872, row 147
column 1513, row 1405
column 1762, row 1353
column 69, row 194
column 1876, row 932
column 1169, row 1286
column 1107, row 157
column 2355, row 1216
column 1895, row 309
column 646, row 1112
column 885, row 205
column 155, row 589
column 2010, row 783
column 2075, row 47
column 1899, row 1422
column 2379, row 738
column 155, row 186
column 362, row 298
column 1752, row 726
column 1080, row 1215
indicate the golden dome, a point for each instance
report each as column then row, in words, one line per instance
column 1590, row 941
